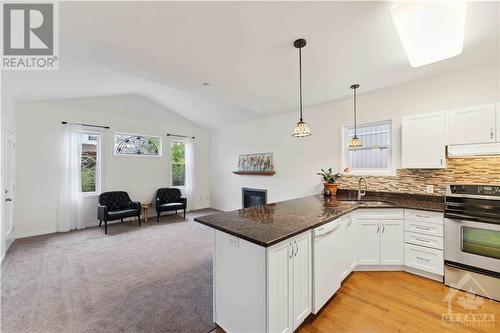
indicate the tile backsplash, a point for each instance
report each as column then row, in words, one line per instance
column 480, row 170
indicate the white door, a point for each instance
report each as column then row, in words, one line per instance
column 9, row 185
column 424, row 141
column 392, row 242
column 368, row 242
column 301, row 279
column 472, row 125
column 279, row 289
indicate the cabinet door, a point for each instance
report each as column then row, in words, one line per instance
column 424, row 141
column 392, row 242
column 301, row 279
column 352, row 242
column 348, row 243
column 368, row 242
column 472, row 125
column 498, row 122
column 279, row 289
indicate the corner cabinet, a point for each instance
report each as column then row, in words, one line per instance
column 380, row 237
column 289, row 283
column 471, row 125
column 424, row 141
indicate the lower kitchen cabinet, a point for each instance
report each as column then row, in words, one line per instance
column 289, row 283
column 368, row 242
column 380, row 238
column 392, row 242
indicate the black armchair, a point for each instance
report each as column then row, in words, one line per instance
column 168, row 199
column 116, row 205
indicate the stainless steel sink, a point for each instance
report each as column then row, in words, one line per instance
column 366, row 202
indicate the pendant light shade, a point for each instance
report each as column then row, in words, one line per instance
column 355, row 142
column 301, row 129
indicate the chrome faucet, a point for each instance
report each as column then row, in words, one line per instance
column 361, row 193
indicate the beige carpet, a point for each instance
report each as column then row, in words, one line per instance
column 156, row 278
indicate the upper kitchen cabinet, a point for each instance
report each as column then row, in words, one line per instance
column 472, row 125
column 424, row 141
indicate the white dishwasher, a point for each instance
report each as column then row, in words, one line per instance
column 327, row 262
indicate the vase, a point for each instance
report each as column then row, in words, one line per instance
column 330, row 190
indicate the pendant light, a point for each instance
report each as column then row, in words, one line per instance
column 355, row 142
column 301, row 129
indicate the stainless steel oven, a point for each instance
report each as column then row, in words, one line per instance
column 472, row 238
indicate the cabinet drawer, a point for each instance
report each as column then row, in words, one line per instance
column 425, row 259
column 424, row 216
column 380, row 214
column 424, row 240
column 425, row 228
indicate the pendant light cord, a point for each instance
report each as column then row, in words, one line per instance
column 300, row 81
column 355, row 134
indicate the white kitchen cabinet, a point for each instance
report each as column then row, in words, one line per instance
column 498, row 121
column 392, row 242
column 472, row 125
column 351, row 238
column 380, row 235
column 279, row 284
column 423, row 144
column 300, row 275
column 289, row 283
column 368, row 242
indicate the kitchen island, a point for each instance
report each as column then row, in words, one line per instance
column 267, row 276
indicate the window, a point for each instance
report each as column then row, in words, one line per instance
column 375, row 156
column 90, row 162
column 178, row 164
column 137, row 145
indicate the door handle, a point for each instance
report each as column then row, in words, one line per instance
column 8, row 199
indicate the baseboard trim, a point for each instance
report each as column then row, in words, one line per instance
column 398, row 268
column 32, row 233
column 427, row 275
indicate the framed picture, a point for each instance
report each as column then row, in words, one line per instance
column 262, row 162
column 137, row 145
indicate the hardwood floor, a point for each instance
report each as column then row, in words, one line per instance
column 394, row 302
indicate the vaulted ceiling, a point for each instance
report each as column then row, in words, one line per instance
column 167, row 50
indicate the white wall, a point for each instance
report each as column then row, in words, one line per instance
column 39, row 142
column 297, row 160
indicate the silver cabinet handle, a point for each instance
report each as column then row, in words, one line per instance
column 422, row 228
column 492, row 133
column 378, row 228
column 8, row 199
column 291, row 254
column 423, row 259
column 423, row 216
column 383, row 227
column 297, row 247
column 423, row 240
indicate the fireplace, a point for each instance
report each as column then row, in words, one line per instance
column 253, row 197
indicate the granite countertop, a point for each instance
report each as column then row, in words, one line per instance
column 272, row 223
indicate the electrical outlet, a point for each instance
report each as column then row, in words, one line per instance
column 234, row 242
column 430, row 188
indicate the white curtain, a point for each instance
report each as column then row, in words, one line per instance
column 189, row 160
column 70, row 202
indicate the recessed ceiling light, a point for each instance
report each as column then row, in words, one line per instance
column 430, row 31
column 206, row 84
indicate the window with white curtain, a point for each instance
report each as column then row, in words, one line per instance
column 178, row 158
column 90, row 162
column 375, row 155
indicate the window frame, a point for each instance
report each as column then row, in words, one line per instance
column 389, row 171
column 160, row 150
column 98, row 182
column 181, row 187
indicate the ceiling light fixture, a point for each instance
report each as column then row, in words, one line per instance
column 355, row 141
column 301, row 129
column 430, row 30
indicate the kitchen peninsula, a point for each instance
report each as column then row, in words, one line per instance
column 275, row 264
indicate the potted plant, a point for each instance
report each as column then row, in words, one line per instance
column 329, row 181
